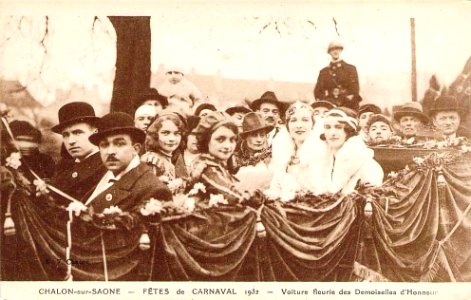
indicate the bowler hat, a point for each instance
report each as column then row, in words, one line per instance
column 323, row 103
column 446, row 103
column 369, row 108
column 151, row 94
column 411, row 109
column 116, row 123
column 253, row 122
column 267, row 97
column 238, row 109
column 73, row 113
column 24, row 131
column 204, row 106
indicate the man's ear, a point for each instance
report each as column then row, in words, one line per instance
column 137, row 147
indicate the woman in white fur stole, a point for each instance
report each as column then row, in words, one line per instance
column 327, row 158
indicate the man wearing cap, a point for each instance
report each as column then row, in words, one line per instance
column 28, row 138
column 379, row 130
column 177, row 84
column 446, row 116
column 364, row 114
column 320, row 109
column 237, row 113
column 271, row 110
column 152, row 97
column 144, row 116
column 79, row 175
column 204, row 109
column 339, row 80
column 410, row 119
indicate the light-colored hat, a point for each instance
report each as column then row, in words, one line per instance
column 174, row 68
column 411, row 109
column 334, row 45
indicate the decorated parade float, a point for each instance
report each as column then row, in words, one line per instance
column 415, row 227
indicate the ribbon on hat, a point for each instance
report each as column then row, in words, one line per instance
column 351, row 121
column 297, row 106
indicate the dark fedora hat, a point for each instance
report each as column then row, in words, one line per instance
column 268, row 97
column 204, row 106
column 116, row 123
column 253, row 122
column 323, row 103
column 446, row 103
column 411, row 109
column 369, row 108
column 238, row 109
column 24, row 131
column 73, row 113
column 151, row 94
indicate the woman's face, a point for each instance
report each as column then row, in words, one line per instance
column 300, row 125
column 334, row 131
column 256, row 141
column 380, row 131
column 222, row 143
column 192, row 143
column 169, row 137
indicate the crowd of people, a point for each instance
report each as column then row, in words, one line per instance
column 272, row 147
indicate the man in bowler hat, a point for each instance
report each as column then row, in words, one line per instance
column 81, row 173
column 446, row 114
column 127, row 182
column 338, row 82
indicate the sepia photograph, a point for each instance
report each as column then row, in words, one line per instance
column 235, row 142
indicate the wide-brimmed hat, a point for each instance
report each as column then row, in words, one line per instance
column 369, row 108
column 323, row 103
column 73, row 113
column 268, row 97
column 446, row 103
column 238, row 109
column 24, row 131
column 117, row 123
column 411, row 109
column 204, row 106
column 151, row 94
column 253, row 122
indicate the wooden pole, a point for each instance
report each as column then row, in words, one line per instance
column 413, row 63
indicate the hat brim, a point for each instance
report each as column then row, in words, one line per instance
column 257, row 103
column 137, row 134
column 322, row 103
column 421, row 116
column 233, row 110
column 89, row 120
column 266, row 128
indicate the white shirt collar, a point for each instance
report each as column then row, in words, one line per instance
column 77, row 160
column 133, row 164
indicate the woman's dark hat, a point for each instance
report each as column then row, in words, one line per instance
column 73, row 113
column 446, row 103
column 24, row 131
column 117, row 123
column 253, row 122
column 369, row 108
column 238, row 109
column 411, row 109
column 151, row 94
column 204, row 106
column 268, row 97
column 192, row 122
column 323, row 103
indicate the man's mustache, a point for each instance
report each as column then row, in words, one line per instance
column 111, row 159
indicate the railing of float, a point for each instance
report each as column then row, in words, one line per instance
column 409, row 229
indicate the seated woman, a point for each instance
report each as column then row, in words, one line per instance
column 217, row 138
column 163, row 144
column 293, row 149
column 253, row 156
column 342, row 159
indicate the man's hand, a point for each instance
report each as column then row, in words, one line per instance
column 76, row 207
